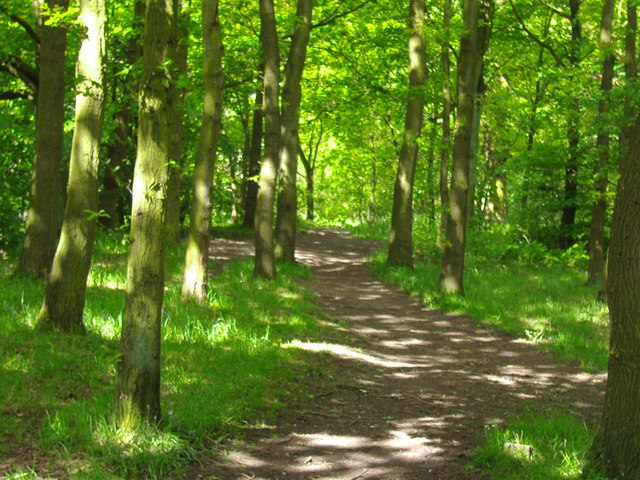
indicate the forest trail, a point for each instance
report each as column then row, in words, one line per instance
column 413, row 388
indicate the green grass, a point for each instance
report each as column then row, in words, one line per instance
column 559, row 444
column 222, row 369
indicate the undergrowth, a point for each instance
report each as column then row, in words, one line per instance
column 222, row 369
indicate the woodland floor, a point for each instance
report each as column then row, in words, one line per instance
column 411, row 389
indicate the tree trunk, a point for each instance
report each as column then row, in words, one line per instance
column 265, row 266
column 42, row 224
column 566, row 238
column 194, row 282
column 447, row 106
column 257, row 131
column 477, row 16
column 617, row 443
column 400, row 239
column 180, row 57
column 137, row 391
column 599, row 209
column 66, row 285
column 290, row 119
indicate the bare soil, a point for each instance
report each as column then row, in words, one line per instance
column 411, row 389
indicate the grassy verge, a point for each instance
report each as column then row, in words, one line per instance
column 223, row 369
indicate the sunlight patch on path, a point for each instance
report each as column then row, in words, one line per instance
column 349, row 353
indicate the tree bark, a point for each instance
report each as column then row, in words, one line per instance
column 477, row 15
column 137, row 391
column 265, row 266
column 195, row 269
column 617, row 443
column 290, row 119
column 566, row 238
column 257, row 132
column 400, row 239
column 599, row 208
column 447, row 106
column 63, row 304
column 42, row 224
column 180, row 57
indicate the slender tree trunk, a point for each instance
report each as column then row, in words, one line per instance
column 477, row 16
column 447, row 106
column 400, row 239
column 566, row 238
column 42, row 224
column 180, row 57
column 195, row 269
column 122, row 145
column 265, row 266
column 617, row 443
column 63, row 304
column 599, row 209
column 257, row 132
column 290, row 119
column 137, row 390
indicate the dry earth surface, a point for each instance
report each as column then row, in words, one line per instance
column 411, row 389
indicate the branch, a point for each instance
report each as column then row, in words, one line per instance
column 332, row 18
column 23, row 23
column 21, row 70
column 9, row 95
column 536, row 39
column 555, row 10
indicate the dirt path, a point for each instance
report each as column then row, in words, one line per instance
column 414, row 388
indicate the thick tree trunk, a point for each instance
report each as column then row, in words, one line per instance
column 566, row 238
column 180, row 57
column 255, row 152
column 137, row 399
column 195, row 269
column 617, row 443
column 290, row 119
column 477, row 16
column 42, row 224
column 447, row 107
column 400, row 239
column 63, row 304
column 265, row 266
column 599, row 209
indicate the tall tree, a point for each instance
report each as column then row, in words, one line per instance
column 447, row 106
column 566, row 236
column 253, row 167
column 42, row 224
column 197, row 255
column 63, row 304
column 617, row 443
column 180, row 57
column 400, row 241
column 137, row 399
column 477, row 17
column 265, row 266
column 599, row 208
column 290, row 120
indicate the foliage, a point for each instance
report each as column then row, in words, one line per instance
column 222, row 369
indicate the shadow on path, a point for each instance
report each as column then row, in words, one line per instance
column 414, row 388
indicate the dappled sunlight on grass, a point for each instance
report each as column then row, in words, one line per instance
column 223, row 368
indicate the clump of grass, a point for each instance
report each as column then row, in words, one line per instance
column 222, row 369
column 558, row 442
